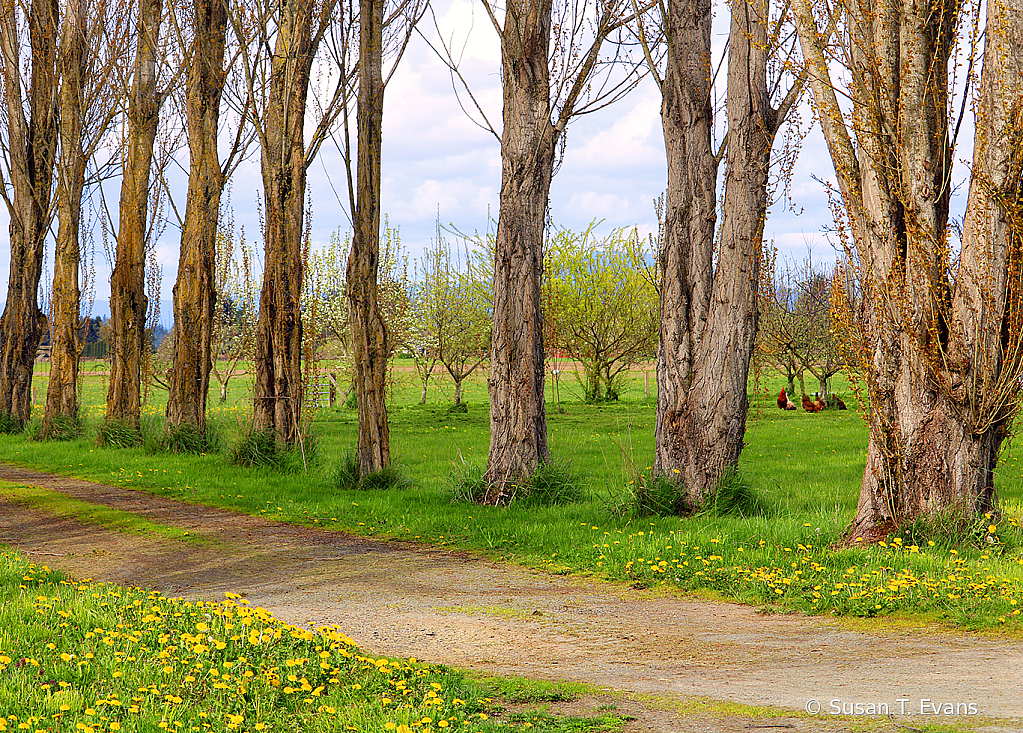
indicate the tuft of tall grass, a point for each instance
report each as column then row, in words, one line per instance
column 346, row 476
column 58, row 427
column 261, row 448
column 187, row 438
column 10, row 424
column 553, row 483
column 119, row 434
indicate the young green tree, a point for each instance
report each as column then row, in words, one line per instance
column 237, row 307
column 602, row 305
column 452, row 317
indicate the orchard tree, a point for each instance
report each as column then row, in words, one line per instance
column 237, row 306
column 452, row 318
column 602, row 305
column 939, row 340
column 797, row 330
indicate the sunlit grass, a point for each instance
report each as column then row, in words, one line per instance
column 96, row 657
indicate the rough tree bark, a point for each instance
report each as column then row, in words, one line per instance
column 942, row 378
column 195, row 289
column 31, row 150
column 708, row 311
column 128, row 301
column 518, row 419
column 62, row 393
column 277, row 392
column 369, row 333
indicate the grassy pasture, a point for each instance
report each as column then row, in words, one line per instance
column 803, row 470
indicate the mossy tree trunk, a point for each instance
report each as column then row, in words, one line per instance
column 941, row 355
column 277, row 391
column 709, row 289
column 518, row 419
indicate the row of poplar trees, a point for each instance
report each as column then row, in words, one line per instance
column 937, row 323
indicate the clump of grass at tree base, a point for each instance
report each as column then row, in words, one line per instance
column 119, row 434
column 649, row 495
column 554, row 483
column 956, row 528
column 10, row 424
column 806, row 469
column 347, row 477
column 93, row 656
column 187, row 438
column 262, row 449
column 60, row 427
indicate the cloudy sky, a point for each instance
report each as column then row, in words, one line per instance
column 437, row 160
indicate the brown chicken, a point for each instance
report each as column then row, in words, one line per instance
column 838, row 403
column 818, row 403
column 809, row 405
column 783, row 400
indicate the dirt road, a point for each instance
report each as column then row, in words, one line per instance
column 667, row 661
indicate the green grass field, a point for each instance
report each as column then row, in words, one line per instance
column 802, row 471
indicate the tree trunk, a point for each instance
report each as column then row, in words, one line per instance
column 708, row 317
column 518, row 420
column 277, row 390
column 940, row 394
column 31, row 152
column 195, row 289
column 62, row 393
column 369, row 333
column 128, row 301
